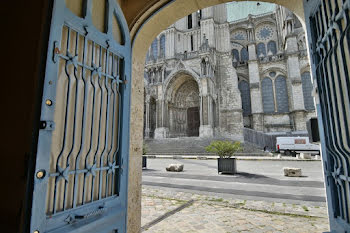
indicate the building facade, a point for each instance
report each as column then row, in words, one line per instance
column 206, row 77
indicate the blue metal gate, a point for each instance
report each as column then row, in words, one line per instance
column 80, row 182
column 328, row 23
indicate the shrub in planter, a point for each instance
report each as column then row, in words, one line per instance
column 225, row 150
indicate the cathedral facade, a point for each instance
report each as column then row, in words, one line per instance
column 206, row 77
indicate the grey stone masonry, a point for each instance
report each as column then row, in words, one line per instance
column 194, row 69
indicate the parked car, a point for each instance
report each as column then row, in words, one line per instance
column 294, row 145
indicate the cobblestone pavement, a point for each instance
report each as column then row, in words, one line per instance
column 170, row 210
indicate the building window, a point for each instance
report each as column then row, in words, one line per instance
column 235, row 55
column 272, row 74
column 244, row 55
column 261, row 50
column 307, row 91
column 271, row 46
column 199, row 17
column 189, row 21
column 281, row 94
column 203, row 67
column 162, row 46
column 154, row 48
column 243, row 86
column 191, row 42
column 267, row 95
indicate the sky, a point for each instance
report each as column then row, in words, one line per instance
column 240, row 10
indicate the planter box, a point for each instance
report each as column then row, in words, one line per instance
column 144, row 162
column 227, row 166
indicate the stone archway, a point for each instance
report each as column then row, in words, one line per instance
column 143, row 29
column 159, row 16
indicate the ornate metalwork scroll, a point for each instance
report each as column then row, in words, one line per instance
column 331, row 42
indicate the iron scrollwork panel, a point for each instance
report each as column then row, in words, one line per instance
column 84, row 158
column 83, row 142
column 331, row 37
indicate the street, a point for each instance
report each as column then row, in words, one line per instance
column 257, row 180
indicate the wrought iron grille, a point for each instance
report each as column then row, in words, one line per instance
column 331, row 43
column 84, row 160
column 81, row 162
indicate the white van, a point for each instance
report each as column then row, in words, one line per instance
column 293, row 145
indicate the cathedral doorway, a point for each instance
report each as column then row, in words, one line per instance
column 152, row 117
column 193, row 122
column 183, row 113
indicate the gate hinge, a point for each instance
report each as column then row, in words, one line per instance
column 47, row 125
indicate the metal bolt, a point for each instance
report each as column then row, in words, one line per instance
column 40, row 174
column 48, row 102
column 42, row 124
column 36, row 231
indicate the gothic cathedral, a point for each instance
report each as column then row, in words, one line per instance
column 207, row 77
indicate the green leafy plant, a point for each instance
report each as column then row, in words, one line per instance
column 224, row 149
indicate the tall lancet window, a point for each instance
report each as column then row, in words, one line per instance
column 281, row 94
column 154, row 48
column 162, row 46
column 244, row 54
column 307, row 91
column 271, row 47
column 267, row 95
column 243, row 86
column 189, row 21
column 261, row 50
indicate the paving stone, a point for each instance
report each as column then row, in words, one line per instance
column 207, row 214
column 175, row 168
column 291, row 171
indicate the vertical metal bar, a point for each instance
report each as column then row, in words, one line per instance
column 115, row 81
column 99, row 127
column 106, row 131
column 92, row 123
column 116, row 176
column 113, row 120
column 65, row 126
column 77, row 92
column 83, row 126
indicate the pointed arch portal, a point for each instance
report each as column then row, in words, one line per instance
column 183, row 106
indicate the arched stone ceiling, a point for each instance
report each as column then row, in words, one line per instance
column 137, row 12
